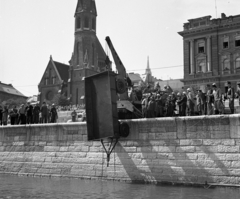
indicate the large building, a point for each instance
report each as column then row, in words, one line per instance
column 7, row 91
column 88, row 58
column 211, row 51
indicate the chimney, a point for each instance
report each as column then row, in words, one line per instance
column 223, row 16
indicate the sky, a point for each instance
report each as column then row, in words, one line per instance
column 32, row 30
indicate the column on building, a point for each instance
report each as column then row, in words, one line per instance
column 209, row 57
column 192, row 59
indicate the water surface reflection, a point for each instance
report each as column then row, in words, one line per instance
column 14, row 187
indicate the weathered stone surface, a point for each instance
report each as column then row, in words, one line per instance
column 186, row 150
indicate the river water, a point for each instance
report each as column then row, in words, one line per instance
column 14, row 187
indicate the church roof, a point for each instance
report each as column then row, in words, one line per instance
column 9, row 89
column 62, row 70
column 86, row 5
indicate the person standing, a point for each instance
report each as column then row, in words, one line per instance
column 230, row 97
column 200, row 104
column 209, row 100
column 182, row 104
column 5, row 115
column 22, row 116
column 1, row 110
column 238, row 92
column 29, row 113
column 151, row 108
column 190, row 102
column 144, row 106
column 36, row 111
column 44, row 111
column 54, row 114
column 218, row 105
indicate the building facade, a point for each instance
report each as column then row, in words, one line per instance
column 88, row 58
column 7, row 91
column 54, row 81
column 211, row 51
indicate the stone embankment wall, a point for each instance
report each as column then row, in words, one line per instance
column 174, row 150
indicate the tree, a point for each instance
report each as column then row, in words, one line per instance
column 14, row 102
column 61, row 100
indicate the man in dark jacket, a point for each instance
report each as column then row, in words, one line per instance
column 182, row 104
column 230, row 97
column 54, row 114
column 36, row 111
column 29, row 113
column 44, row 111
column 1, row 110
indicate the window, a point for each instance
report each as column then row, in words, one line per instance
column 53, row 80
column 201, row 47
column 93, row 24
column 50, row 76
column 225, row 42
column 86, row 22
column 226, row 65
column 46, row 81
column 77, row 51
column 237, row 63
column 78, row 23
column 201, row 65
column 93, row 55
column 237, row 41
column 76, row 96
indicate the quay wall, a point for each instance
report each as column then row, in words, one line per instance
column 190, row 150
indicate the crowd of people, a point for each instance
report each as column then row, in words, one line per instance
column 28, row 114
column 165, row 104
column 158, row 104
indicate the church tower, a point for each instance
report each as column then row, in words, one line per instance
column 88, row 56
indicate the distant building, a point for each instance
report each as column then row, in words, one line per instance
column 54, row 81
column 147, row 77
column 136, row 79
column 7, row 91
column 175, row 84
column 88, row 58
column 211, row 51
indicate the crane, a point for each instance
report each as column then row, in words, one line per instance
column 122, row 83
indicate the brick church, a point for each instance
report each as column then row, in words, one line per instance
column 88, row 58
column 211, row 51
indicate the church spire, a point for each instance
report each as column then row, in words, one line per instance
column 86, row 6
column 148, row 70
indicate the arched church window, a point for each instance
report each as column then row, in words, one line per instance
column 77, row 51
column 93, row 55
column 86, row 22
column 237, row 63
column 93, row 24
column 226, row 65
column 50, row 76
column 78, row 23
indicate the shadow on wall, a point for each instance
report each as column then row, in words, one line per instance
column 188, row 155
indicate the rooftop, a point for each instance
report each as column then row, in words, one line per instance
column 9, row 89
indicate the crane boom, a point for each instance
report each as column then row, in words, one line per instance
column 119, row 65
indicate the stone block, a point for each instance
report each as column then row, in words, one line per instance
column 51, row 148
column 228, row 149
column 187, row 149
column 220, row 134
column 207, row 149
column 191, row 142
column 143, row 136
column 198, row 135
column 167, row 135
column 234, row 131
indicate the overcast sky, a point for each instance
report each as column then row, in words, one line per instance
column 32, row 30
